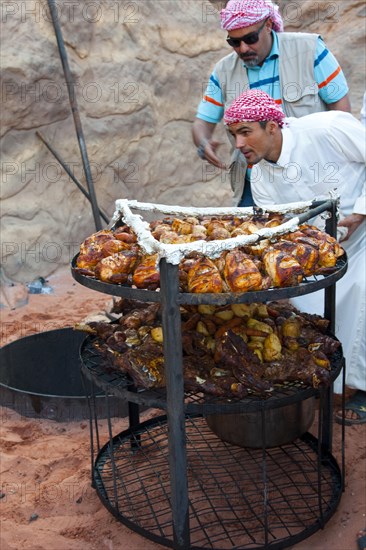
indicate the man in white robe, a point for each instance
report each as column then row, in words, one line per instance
column 315, row 157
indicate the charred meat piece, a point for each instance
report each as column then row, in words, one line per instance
column 248, row 227
column 86, row 262
column 144, row 364
column 109, row 335
column 316, row 321
column 117, row 342
column 102, row 329
column 169, row 237
column 158, row 229
column 125, row 235
column 125, row 305
column 200, row 375
column 183, row 227
column 95, row 241
column 298, row 366
column 322, row 342
column 195, row 343
column 217, row 230
column 246, row 367
column 139, row 317
column 91, row 250
column 112, row 246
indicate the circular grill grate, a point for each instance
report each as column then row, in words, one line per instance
column 116, row 382
column 309, row 284
column 238, row 497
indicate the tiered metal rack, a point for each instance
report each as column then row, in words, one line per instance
column 174, row 481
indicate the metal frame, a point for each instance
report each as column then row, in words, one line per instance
column 231, row 488
column 171, row 299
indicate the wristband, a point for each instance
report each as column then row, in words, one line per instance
column 201, row 148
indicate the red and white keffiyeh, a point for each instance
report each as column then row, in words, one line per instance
column 239, row 14
column 254, row 106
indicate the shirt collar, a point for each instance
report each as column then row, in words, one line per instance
column 274, row 51
column 287, row 147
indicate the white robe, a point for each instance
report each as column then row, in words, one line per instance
column 324, row 154
column 350, row 323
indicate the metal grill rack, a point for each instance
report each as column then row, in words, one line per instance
column 116, row 382
column 174, row 481
column 228, row 506
column 308, row 285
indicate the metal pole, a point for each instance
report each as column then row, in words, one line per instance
column 69, row 173
column 330, row 314
column 175, row 404
column 75, row 113
column 330, row 292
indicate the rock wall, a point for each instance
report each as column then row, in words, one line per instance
column 139, row 69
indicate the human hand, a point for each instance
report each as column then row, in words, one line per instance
column 209, row 153
column 351, row 223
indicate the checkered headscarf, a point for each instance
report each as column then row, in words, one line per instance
column 253, row 106
column 239, row 14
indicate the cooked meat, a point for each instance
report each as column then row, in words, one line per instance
column 139, row 317
column 245, row 365
column 227, row 350
column 305, row 254
column 204, row 277
column 125, row 305
column 102, row 329
column 144, row 364
column 298, row 366
column 182, row 227
column 125, row 235
column 240, row 272
column 201, row 376
column 117, row 267
column 146, row 274
column 278, row 262
column 283, row 269
column 95, row 241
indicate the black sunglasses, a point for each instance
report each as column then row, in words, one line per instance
column 250, row 38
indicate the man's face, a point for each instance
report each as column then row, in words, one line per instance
column 256, row 143
column 254, row 54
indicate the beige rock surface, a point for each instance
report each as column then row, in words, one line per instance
column 140, row 68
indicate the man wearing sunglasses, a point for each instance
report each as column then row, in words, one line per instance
column 296, row 69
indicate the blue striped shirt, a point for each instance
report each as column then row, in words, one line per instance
column 327, row 74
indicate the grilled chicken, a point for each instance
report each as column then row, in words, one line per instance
column 146, row 274
column 241, row 273
column 306, row 254
column 117, row 267
column 204, row 277
column 279, row 261
column 282, row 268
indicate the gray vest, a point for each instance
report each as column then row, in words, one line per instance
column 299, row 91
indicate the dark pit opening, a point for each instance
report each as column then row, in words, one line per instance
column 40, row 376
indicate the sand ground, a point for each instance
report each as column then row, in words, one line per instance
column 47, row 502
